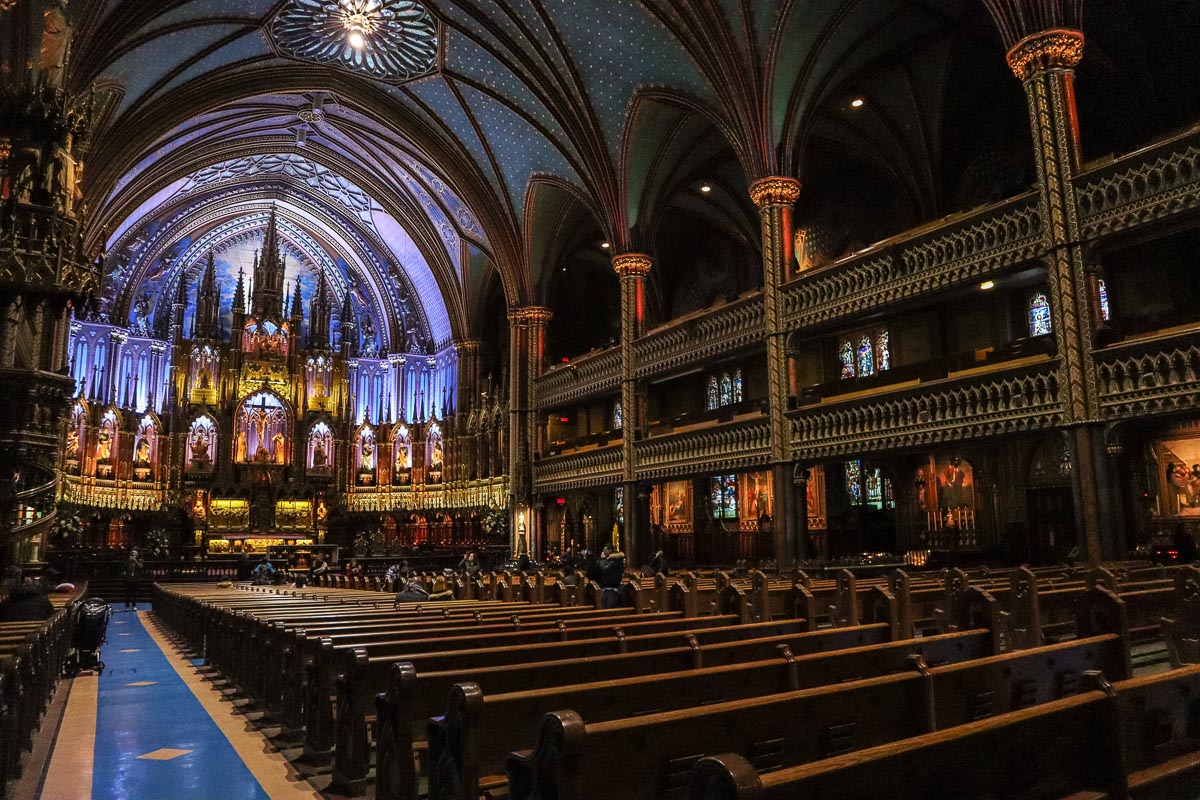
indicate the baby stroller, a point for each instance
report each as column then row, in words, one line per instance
column 91, row 631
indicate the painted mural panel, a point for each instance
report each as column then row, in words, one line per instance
column 1180, row 463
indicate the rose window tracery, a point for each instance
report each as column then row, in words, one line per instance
column 391, row 40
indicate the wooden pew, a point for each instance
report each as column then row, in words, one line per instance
column 656, row 752
column 469, row 742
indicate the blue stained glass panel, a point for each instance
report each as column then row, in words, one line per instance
column 737, row 387
column 1102, row 290
column 866, row 357
column 618, row 417
column 726, row 390
column 712, row 401
column 1039, row 316
column 854, row 481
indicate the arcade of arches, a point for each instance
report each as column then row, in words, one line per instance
column 767, row 284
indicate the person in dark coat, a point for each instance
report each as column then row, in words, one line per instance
column 658, row 565
column 412, row 592
column 26, row 603
column 610, row 568
column 132, row 573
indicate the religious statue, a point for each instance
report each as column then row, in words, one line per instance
column 279, row 448
column 319, row 457
column 436, row 460
column 319, row 389
column 72, row 443
column 322, row 512
column 205, row 379
column 199, row 447
column 142, row 452
column 260, row 430
column 402, row 456
column 240, row 450
column 368, row 456
column 104, row 446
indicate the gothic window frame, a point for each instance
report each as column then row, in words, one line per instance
column 723, row 493
column 319, row 430
column 865, row 352
column 281, row 413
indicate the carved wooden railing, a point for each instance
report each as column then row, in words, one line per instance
column 937, row 256
column 1145, row 186
column 1154, row 375
column 588, row 376
column 482, row 493
column 594, row 467
column 42, row 249
column 702, row 337
column 988, row 404
column 733, row 445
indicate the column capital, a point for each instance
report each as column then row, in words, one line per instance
column 632, row 265
column 1057, row 48
column 467, row 345
column 530, row 315
column 775, row 190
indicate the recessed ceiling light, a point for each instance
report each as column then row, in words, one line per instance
column 857, row 102
column 706, row 188
column 987, row 285
column 605, row 245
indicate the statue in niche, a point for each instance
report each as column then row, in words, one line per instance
column 104, row 446
column 72, row 443
column 240, row 450
column 402, row 457
column 205, row 379
column 368, row 456
column 436, row 458
column 319, row 389
column 141, row 454
column 199, row 447
column 319, row 459
column 279, row 448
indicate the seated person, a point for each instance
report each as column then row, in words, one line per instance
column 354, row 569
column 26, row 603
column 319, row 567
column 264, row 572
column 412, row 592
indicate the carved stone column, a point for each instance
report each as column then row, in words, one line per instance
column 1044, row 62
column 632, row 268
column 466, row 398
column 775, row 197
column 527, row 347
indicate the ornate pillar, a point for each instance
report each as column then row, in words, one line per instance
column 800, row 476
column 1044, row 61
column 466, row 397
column 527, row 349
column 632, row 269
column 775, row 197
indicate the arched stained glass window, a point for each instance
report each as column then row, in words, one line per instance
column 1102, row 290
column 726, row 390
column 846, row 355
column 738, row 395
column 866, row 357
column 1039, row 316
column 618, row 416
column 883, row 350
column 854, row 486
column 712, row 402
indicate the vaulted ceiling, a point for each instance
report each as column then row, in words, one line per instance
column 508, row 139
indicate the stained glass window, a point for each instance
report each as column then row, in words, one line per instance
column 618, row 417
column 726, row 390
column 854, row 481
column 724, row 497
column 737, row 386
column 712, row 393
column 1102, row 290
column 1039, row 316
column 619, row 501
column 866, row 357
column 846, row 354
column 883, row 350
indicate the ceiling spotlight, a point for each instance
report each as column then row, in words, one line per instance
column 356, row 40
column 987, row 285
column 605, row 245
column 857, row 102
column 706, row 188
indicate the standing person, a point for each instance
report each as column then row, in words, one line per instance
column 567, row 561
column 658, row 564
column 395, row 573
column 132, row 572
column 470, row 566
column 611, row 567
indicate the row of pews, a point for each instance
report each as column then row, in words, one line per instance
column 31, row 661
column 758, row 684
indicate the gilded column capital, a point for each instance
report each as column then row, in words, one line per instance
column 632, row 265
column 1058, row 48
column 468, row 345
column 530, row 315
column 775, row 190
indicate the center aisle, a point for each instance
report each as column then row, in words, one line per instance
column 153, row 737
